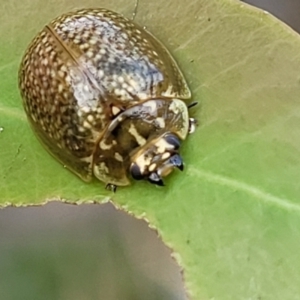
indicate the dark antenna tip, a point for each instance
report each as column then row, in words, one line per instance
column 192, row 104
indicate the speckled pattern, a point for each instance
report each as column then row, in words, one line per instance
column 83, row 66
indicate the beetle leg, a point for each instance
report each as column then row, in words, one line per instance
column 111, row 187
column 192, row 125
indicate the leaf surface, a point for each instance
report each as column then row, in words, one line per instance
column 233, row 217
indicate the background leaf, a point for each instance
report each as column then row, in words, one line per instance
column 233, row 217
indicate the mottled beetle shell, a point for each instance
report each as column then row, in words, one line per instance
column 86, row 81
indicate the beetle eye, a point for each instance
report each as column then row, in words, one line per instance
column 155, row 179
column 172, row 140
column 136, row 172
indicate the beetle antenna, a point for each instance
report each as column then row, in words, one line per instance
column 192, row 104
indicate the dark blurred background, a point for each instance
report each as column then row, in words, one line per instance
column 91, row 251
column 286, row 10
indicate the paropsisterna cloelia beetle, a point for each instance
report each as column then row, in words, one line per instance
column 106, row 98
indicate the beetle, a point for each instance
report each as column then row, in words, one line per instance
column 106, row 98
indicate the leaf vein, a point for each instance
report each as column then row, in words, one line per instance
column 247, row 188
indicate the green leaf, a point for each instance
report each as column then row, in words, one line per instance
column 233, row 217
